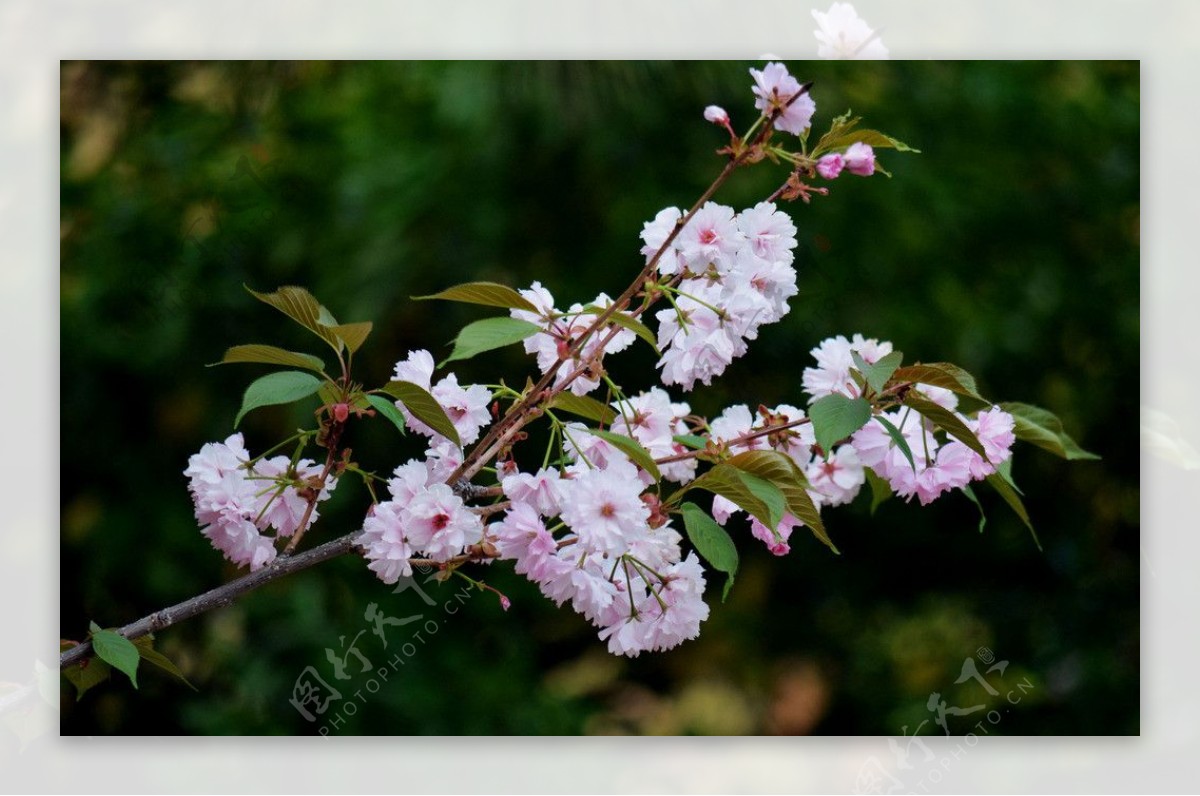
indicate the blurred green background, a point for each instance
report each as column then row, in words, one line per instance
column 1009, row 246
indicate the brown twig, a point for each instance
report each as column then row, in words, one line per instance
column 222, row 595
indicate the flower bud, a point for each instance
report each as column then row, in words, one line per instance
column 341, row 412
column 716, row 114
column 860, row 159
column 830, row 166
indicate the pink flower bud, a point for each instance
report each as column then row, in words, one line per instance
column 830, row 166
column 860, row 159
column 505, row 603
column 716, row 114
column 341, row 412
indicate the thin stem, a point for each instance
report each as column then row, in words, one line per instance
column 222, row 595
column 312, row 502
column 517, row 416
column 762, row 432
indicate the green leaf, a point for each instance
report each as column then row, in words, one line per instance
column 631, row 448
column 842, row 133
column 1043, row 428
column 711, row 541
column 946, row 420
column 277, row 388
column 1004, row 468
column 270, row 355
column 693, row 441
column 1014, row 500
column 145, row 648
column 726, row 480
column 300, row 305
column 489, row 334
column 424, row 408
column 836, row 417
column 899, row 439
column 388, row 409
column 881, row 490
column 783, row 472
column 878, row 374
column 629, row 322
column 86, row 674
column 938, row 374
column 584, row 406
column 970, row 493
column 771, row 496
column 489, row 294
column 352, row 335
column 117, row 651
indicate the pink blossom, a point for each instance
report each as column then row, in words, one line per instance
column 830, row 166
column 860, row 159
column 834, row 363
column 666, row 613
column 952, row 470
column 775, row 541
column 774, row 88
column 769, row 233
column 541, row 490
column 994, row 428
column 467, row 407
column 717, row 115
column 711, row 237
column 604, row 509
column 654, row 235
column 838, row 478
column 236, row 503
column 795, row 442
column 735, row 422
column 385, row 543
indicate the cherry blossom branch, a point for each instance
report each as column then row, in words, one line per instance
column 483, row 450
column 227, row 593
column 222, row 595
column 312, row 502
column 762, row 432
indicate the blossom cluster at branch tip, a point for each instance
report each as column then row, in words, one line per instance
column 236, row 503
column 777, row 91
column 937, row 466
column 734, row 274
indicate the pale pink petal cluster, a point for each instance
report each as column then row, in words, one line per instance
column 562, row 330
column 620, row 573
column 467, row 407
column 835, row 362
column 654, row 420
column 937, row 466
column 237, row 503
column 775, row 89
column 837, row 478
column 423, row 518
column 737, row 275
